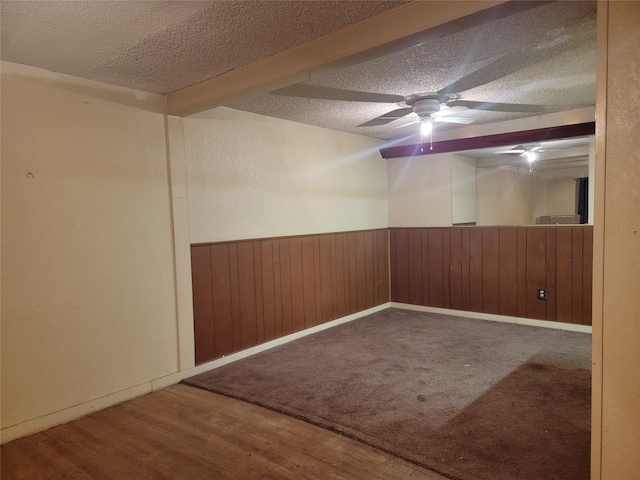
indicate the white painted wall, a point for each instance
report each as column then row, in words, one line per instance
column 420, row 191
column 251, row 176
column 463, row 194
column 555, row 196
column 505, row 196
column 88, row 294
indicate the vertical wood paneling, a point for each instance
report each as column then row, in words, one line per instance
column 222, row 312
column 277, row 288
column 353, row 273
column 247, row 295
column 308, row 282
column 236, row 314
column 465, row 274
column 317, row 281
column 551, row 246
column 455, row 269
column 402, row 265
column 475, row 270
column 248, row 292
column 491, row 270
column 496, row 270
column 297, row 284
column 334, row 278
column 369, row 269
column 414, row 239
column 285, row 283
column 436, row 268
column 576, row 275
column 340, row 283
column 326, row 310
column 508, row 271
column 382, row 271
column 251, row 291
column 393, row 263
column 257, row 266
column 522, row 272
column 446, row 262
column 425, row 267
column 268, row 291
column 564, row 243
column 202, row 303
column 587, row 275
column 361, row 271
column 536, row 271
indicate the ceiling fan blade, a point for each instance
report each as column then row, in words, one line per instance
column 306, row 90
column 518, row 149
column 388, row 117
column 446, row 110
column 511, row 63
column 499, row 107
column 461, row 120
column 407, row 124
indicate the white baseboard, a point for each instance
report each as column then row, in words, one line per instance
column 496, row 318
column 72, row 413
column 278, row 341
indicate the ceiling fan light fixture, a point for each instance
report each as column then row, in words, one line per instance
column 426, row 126
column 531, row 156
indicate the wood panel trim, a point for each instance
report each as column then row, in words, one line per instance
column 495, row 270
column 248, row 292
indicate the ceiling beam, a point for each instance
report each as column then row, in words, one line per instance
column 405, row 26
column 490, row 141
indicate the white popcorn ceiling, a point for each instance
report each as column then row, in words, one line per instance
column 163, row 46
column 560, row 81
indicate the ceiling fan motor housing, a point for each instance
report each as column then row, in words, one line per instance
column 426, row 106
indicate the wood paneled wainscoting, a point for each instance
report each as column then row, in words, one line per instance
column 249, row 292
column 496, row 270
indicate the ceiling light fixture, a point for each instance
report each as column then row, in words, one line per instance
column 531, row 156
column 426, row 126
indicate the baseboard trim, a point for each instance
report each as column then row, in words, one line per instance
column 495, row 318
column 44, row 422
column 280, row 341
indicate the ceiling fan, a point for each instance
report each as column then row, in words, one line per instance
column 444, row 105
column 431, row 109
column 438, row 107
column 529, row 151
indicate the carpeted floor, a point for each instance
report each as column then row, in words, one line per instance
column 470, row 399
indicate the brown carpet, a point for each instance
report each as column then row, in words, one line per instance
column 469, row 399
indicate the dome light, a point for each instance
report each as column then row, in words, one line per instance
column 426, row 126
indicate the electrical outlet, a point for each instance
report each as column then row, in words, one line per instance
column 542, row 294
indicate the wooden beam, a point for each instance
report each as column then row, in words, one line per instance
column 405, row 26
column 489, row 141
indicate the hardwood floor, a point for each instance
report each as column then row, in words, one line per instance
column 183, row 432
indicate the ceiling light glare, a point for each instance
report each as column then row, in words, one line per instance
column 425, row 127
column 532, row 156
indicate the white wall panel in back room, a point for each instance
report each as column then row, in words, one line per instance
column 251, row 176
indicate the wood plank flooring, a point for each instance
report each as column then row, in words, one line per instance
column 183, row 432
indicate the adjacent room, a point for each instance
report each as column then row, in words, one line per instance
column 320, row 239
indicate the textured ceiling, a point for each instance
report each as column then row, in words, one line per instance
column 543, row 56
column 162, row 46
